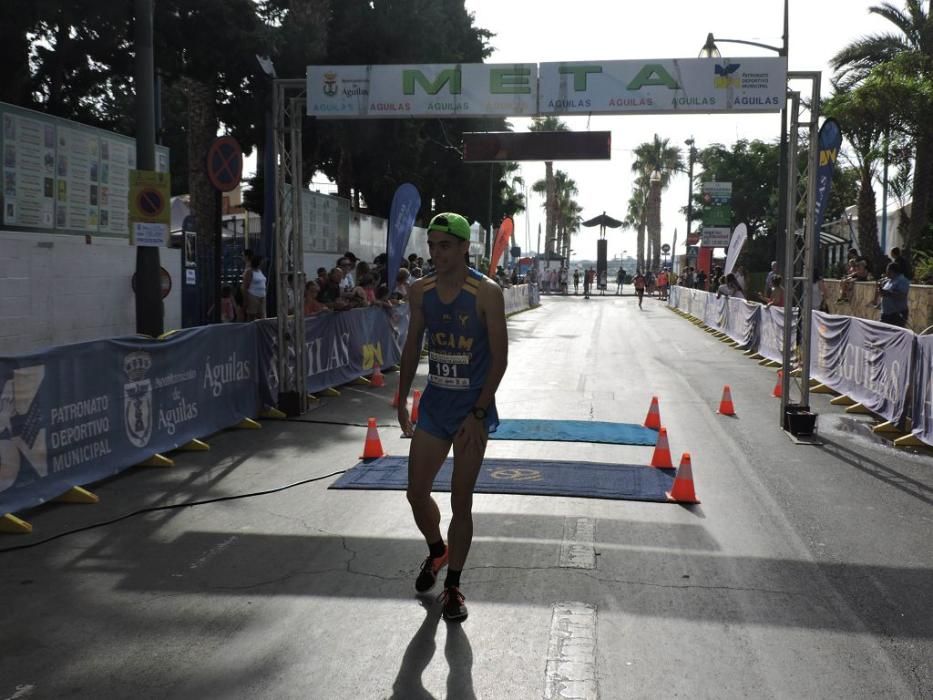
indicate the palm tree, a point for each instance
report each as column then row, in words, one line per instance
column 865, row 121
column 511, row 193
column 910, row 54
column 566, row 211
column 636, row 218
column 550, row 203
column 656, row 162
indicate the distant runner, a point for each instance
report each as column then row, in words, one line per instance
column 640, row 283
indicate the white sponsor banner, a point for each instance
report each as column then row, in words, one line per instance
column 715, row 237
column 434, row 90
column 662, row 86
column 735, row 247
column 651, row 86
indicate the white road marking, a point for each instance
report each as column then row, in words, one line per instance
column 213, row 551
column 577, row 550
column 22, row 691
column 570, row 673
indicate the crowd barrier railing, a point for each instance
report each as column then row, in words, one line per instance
column 887, row 371
column 74, row 414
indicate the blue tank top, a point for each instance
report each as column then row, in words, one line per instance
column 458, row 344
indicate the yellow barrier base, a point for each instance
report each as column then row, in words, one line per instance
column 329, row 392
column 312, row 397
column 909, row 441
column 858, row 409
column 157, row 460
column 270, row 412
column 821, row 389
column 195, row 446
column 753, row 355
column 887, row 428
column 843, row 400
column 248, row 424
column 12, row 525
column 362, row 381
column 76, row 494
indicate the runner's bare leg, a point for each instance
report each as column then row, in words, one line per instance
column 467, row 463
column 425, row 460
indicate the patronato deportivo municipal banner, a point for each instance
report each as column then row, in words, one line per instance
column 75, row 414
column 651, row 86
column 341, row 346
column 869, row 362
column 923, row 390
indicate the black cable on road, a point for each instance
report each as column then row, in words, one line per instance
column 154, row 509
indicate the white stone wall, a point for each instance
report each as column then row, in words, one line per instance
column 57, row 289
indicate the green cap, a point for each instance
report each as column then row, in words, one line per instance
column 451, row 223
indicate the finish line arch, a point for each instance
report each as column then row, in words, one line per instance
column 744, row 85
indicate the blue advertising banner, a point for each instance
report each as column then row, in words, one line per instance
column 869, row 362
column 75, row 414
column 405, row 205
column 830, row 140
column 340, row 346
column 923, row 390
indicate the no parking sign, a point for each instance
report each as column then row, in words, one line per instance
column 150, row 212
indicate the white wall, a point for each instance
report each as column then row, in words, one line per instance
column 57, row 289
column 367, row 240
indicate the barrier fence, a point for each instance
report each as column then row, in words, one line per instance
column 876, row 365
column 74, row 414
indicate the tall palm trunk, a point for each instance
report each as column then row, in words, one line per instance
column 654, row 224
column 640, row 242
column 550, row 212
column 923, row 181
column 202, row 130
column 868, row 222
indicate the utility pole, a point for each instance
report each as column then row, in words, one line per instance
column 149, row 311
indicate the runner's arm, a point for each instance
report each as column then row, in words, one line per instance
column 411, row 352
column 493, row 306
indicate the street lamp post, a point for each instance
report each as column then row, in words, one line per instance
column 691, row 158
column 710, row 50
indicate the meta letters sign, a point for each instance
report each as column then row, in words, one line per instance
column 658, row 86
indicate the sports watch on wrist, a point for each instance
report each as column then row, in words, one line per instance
column 478, row 413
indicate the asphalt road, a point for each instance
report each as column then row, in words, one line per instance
column 807, row 572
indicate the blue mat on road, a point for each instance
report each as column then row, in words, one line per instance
column 628, row 482
column 575, row 431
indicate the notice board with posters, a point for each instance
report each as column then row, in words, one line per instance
column 60, row 176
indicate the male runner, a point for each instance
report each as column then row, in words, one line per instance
column 463, row 313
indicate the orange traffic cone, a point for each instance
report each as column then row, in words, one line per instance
column 725, row 404
column 372, row 448
column 378, row 380
column 653, row 420
column 415, row 403
column 662, row 452
column 395, row 399
column 778, row 388
column 682, row 490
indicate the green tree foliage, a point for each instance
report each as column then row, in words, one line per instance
column 900, row 66
column 750, row 167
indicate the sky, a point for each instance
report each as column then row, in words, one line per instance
column 534, row 32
